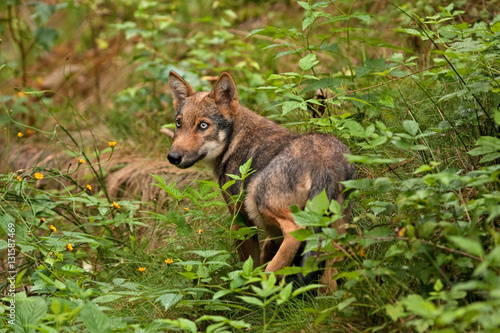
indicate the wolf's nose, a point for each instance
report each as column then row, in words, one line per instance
column 174, row 158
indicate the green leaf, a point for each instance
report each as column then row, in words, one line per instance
column 377, row 234
column 489, row 157
column 411, row 127
column 344, row 304
column 422, row 168
column 94, row 319
column 395, row 250
column 228, row 185
column 308, row 219
column 29, row 311
column 490, row 142
column 284, row 294
column 372, row 159
column 46, row 37
column 56, row 283
column 72, row 269
column 208, row 253
column 168, row 300
column 420, row 307
column 355, row 128
column 304, row 289
column 106, row 298
column 335, row 207
column 304, row 5
column 301, row 234
column 248, row 266
column 182, row 323
column 438, row 285
column 496, row 116
column 170, row 188
column 308, row 62
column 252, row 300
column 468, row 245
column 245, row 168
column 483, row 150
column 319, row 204
column 221, row 293
column 292, row 105
column 395, row 311
column 308, row 20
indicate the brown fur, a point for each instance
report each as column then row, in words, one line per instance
column 290, row 168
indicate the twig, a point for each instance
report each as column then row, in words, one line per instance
column 388, row 239
column 349, row 92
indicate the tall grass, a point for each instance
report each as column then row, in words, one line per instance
column 113, row 239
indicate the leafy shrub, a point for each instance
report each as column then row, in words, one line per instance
column 422, row 252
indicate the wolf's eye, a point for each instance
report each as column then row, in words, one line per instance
column 203, row 125
column 177, row 123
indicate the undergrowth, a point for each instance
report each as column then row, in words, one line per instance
column 417, row 105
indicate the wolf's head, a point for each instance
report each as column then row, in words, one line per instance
column 203, row 120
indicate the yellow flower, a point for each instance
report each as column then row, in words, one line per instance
column 38, row 176
column 52, row 228
column 186, row 208
column 112, row 144
column 200, row 231
column 401, row 232
column 69, row 247
column 169, row 261
column 81, row 161
column 20, row 94
column 115, row 205
column 362, row 252
column 141, row 269
column 19, row 178
column 42, row 220
column 19, row 134
column 88, row 187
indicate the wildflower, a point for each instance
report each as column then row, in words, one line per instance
column 20, row 94
column 69, row 247
column 115, row 205
column 186, row 208
column 169, row 261
column 88, row 187
column 42, row 220
column 19, row 178
column 52, row 228
column 401, row 232
column 141, row 269
column 200, row 231
column 38, row 176
column 19, row 134
column 362, row 252
column 112, row 144
column 81, row 161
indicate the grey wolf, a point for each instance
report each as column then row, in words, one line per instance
column 290, row 168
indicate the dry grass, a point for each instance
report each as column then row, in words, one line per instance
column 126, row 175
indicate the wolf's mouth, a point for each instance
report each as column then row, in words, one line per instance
column 183, row 162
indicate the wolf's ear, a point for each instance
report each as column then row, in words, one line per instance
column 180, row 88
column 225, row 94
